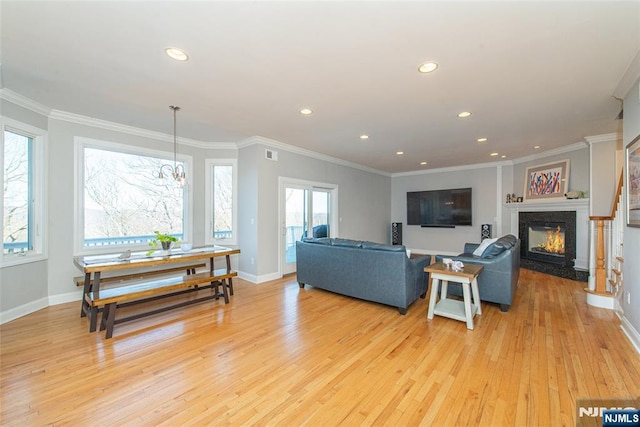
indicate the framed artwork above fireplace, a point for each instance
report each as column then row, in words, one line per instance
column 548, row 181
column 633, row 182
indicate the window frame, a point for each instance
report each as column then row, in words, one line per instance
column 83, row 142
column 38, row 206
column 209, row 220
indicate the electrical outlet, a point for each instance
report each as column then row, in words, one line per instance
column 252, row 261
column 628, row 297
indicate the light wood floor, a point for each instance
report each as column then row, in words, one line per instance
column 279, row 355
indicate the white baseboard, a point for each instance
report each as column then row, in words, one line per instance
column 65, row 298
column 631, row 333
column 601, row 301
column 23, row 310
column 259, row 279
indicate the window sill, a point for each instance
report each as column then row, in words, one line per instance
column 14, row 260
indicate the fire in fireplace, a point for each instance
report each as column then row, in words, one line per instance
column 544, row 239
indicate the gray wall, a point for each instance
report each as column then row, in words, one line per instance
column 26, row 283
column 483, row 181
column 363, row 202
column 604, row 178
column 631, row 268
column 61, row 207
column 578, row 169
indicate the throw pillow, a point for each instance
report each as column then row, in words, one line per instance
column 484, row 245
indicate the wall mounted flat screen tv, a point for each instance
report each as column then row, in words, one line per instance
column 439, row 208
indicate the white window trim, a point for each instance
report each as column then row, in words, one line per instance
column 210, row 240
column 40, row 188
column 78, row 219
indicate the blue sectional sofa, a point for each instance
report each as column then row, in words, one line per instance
column 498, row 280
column 365, row 270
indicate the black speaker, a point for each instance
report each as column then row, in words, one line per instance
column 485, row 231
column 396, row 233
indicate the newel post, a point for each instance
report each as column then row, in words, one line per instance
column 601, row 274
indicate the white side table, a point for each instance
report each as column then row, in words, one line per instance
column 454, row 309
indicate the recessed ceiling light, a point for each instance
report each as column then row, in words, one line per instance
column 399, row 153
column 364, row 136
column 535, row 147
column 428, row 67
column 482, row 139
column 306, row 111
column 503, row 157
column 423, row 163
column 177, row 54
column 464, row 114
column 494, row 154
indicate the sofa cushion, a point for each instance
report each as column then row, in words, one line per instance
column 499, row 246
column 382, row 247
column 483, row 246
column 347, row 243
column 320, row 240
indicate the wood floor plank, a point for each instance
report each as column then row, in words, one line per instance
column 281, row 355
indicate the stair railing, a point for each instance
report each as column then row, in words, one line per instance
column 606, row 235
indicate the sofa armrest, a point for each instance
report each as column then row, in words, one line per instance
column 470, row 247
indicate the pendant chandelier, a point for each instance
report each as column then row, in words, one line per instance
column 177, row 170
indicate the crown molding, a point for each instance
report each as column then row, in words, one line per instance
column 629, row 78
column 559, row 150
column 608, row 137
column 259, row 140
column 131, row 130
column 24, row 102
column 454, row 168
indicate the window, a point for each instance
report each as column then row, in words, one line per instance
column 23, row 234
column 221, row 200
column 121, row 200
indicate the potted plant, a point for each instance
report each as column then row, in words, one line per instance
column 166, row 241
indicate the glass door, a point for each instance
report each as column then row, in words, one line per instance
column 296, row 216
column 307, row 212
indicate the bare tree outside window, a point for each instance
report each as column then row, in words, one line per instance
column 125, row 198
column 222, row 201
column 15, row 227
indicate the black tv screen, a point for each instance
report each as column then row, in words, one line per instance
column 439, row 208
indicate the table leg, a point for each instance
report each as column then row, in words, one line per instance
column 93, row 321
column 110, row 310
column 467, row 304
column 476, row 295
column 228, row 270
column 444, row 289
column 86, row 289
column 435, row 283
column 225, row 292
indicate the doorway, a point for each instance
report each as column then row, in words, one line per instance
column 307, row 209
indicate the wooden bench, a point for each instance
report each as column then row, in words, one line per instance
column 113, row 298
column 79, row 281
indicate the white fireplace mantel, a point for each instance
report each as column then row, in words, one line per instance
column 581, row 208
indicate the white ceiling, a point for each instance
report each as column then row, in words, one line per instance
column 532, row 73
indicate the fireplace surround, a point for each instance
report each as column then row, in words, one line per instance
column 545, row 218
column 548, row 242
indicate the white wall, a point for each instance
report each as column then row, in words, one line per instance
column 484, row 182
column 631, row 267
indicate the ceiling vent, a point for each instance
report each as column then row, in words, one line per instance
column 271, row 155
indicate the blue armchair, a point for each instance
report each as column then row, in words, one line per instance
column 498, row 280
